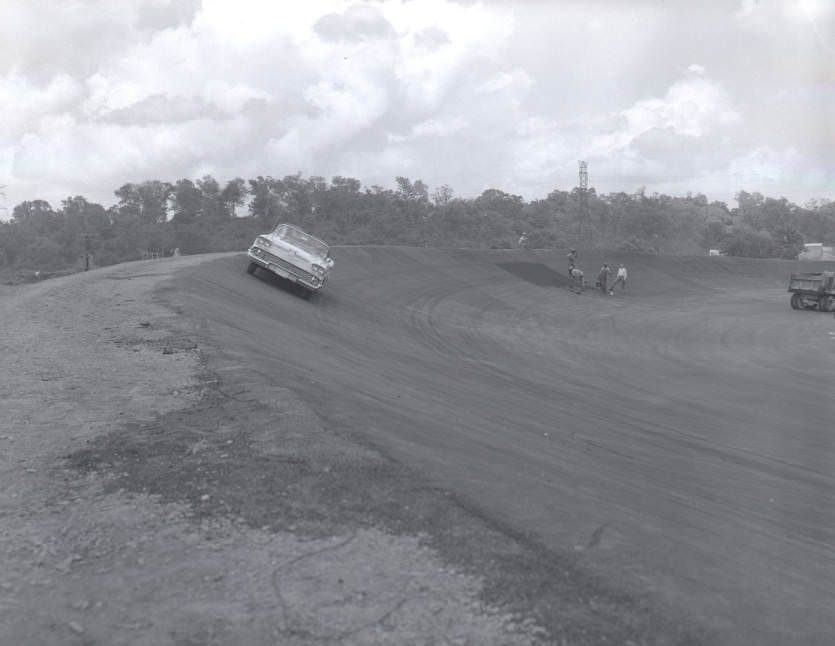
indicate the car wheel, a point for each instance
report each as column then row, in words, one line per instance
column 251, row 268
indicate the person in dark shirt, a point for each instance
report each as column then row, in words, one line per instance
column 603, row 277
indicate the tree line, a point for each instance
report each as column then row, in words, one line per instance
column 156, row 217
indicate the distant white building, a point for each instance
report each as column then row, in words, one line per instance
column 816, row 251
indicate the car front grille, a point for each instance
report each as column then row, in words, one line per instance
column 266, row 256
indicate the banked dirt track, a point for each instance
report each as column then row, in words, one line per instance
column 676, row 437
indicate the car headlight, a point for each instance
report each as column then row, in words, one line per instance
column 318, row 270
column 264, row 242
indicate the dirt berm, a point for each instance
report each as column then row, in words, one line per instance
column 440, row 448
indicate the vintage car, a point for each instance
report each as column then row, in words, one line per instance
column 294, row 255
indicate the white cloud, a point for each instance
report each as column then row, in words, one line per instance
column 25, row 102
column 431, row 38
column 746, row 8
column 772, row 172
column 232, row 97
column 517, row 80
column 356, row 23
column 808, row 10
column 692, row 107
column 470, row 94
column 432, row 128
column 159, row 108
column 764, row 165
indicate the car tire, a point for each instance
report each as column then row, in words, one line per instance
column 251, row 268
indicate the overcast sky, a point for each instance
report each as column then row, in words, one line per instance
column 711, row 96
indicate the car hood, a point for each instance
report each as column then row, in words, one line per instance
column 290, row 252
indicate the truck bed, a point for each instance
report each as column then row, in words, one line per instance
column 812, row 282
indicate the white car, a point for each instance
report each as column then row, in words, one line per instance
column 292, row 254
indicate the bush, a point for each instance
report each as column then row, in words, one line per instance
column 749, row 243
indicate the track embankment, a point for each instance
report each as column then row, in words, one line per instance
column 675, row 437
column 441, row 445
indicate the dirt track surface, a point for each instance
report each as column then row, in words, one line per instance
column 441, row 447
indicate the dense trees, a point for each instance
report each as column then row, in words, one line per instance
column 155, row 217
column 147, row 201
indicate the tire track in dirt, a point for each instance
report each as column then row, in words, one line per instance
column 664, row 413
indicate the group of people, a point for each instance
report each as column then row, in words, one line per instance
column 577, row 275
column 603, row 279
column 602, row 276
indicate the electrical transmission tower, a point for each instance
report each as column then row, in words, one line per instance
column 583, row 220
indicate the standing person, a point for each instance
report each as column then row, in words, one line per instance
column 620, row 278
column 577, row 278
column 572, row 257
column 524, row 243
column 603, row 277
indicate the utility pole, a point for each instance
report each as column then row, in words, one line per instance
column 583, row 223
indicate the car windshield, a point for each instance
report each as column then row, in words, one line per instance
column 301, row 239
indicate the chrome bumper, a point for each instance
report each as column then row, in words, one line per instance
column 281, row 267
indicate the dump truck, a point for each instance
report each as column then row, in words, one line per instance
column 810, row 291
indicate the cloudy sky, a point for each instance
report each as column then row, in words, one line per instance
column 673, row 95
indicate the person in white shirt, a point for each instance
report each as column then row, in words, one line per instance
column 620, row 278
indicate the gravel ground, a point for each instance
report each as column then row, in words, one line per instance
column 104, row 393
